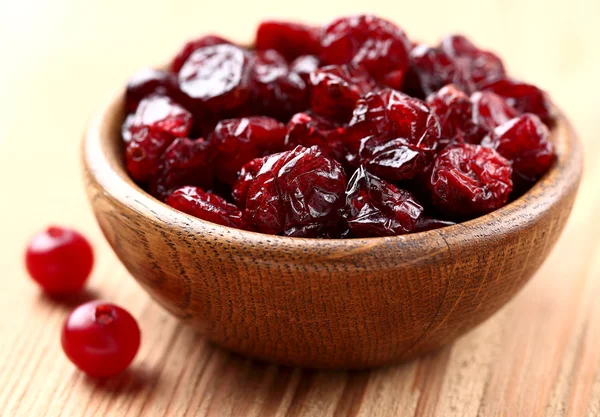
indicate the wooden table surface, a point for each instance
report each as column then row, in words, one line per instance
column 539, row 356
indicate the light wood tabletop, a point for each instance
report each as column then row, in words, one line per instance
column 62, row 59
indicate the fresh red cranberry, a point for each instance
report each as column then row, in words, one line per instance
column 304, row 65
column 151, row 82
column 191, row 46
column 297, row 193
column 237, row 141
column 59, row 260
column 217, row 77
column 288, row 38
column 375, row 207
column 469, row 180
column 206, row 206
column 160, row 114
column 337, row 88
column 397, row 135
column 100, row 338
column 376, row 44
column 308, row 129
column 143, row 152
column 524, row 142
column 426, row 223
column 184, row 162
column 524, row 97
column 489, row 111
column 276, row 91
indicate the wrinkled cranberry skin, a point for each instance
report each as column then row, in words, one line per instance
column 374, row 43
column 206, row 206
column 489, row 111
column 59, row 259
column 217, row 77
column 184, row 162
column 143, row 152
column 469, row 180
column 524, row 97
column 288, row 38
column 524, row 142
column 308, row 129
column 337, row 88
column 246, row 176
column 151, row 82
column 237, row 141
column 304, row 65
column 276, row 91
column 455, row 113
column 297, row 193
column 397, row 135
column 375, row 207
column 100, row 338
column 191, row 46
column 160, row 114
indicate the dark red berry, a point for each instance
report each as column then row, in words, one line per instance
column 160, row 114
column 336, row 89
column 184, row 162
column 375, row 207
column 393, row 135
column 143, row 152
column 489, row 111
column 524, row 97
column 308, row 129
column 455, row 113
column 276, row 91
column 288, row 38
column 245, row 179
column 524, row 142
column 193, row 45
column 237, row 141
column 297, row 193
column 59, row 260
column 470, row 180
column 217, row 77
column 206, row 206
column 100, row 338
column 376, row 44
column 426, row 223
column 151, row 82
column 304, row 65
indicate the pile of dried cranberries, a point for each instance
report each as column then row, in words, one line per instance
column 346, row 130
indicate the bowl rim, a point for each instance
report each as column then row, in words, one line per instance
column 103, row 164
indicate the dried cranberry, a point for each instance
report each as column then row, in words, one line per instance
column 217, row 77
column 426, row 223
column 276, row 91
column 524, row 142
column 308, row 129
column 206, row 206
column 237, row 141
column 304, row 65
column 143, row 152
column 526, row 98
column 288, row 38
column 470, row 180
column 297, row 193
column 159, row 114
column 193, row 45
column 378, row 45
column 149, row 82
column 489, row 111
column 184, row 162
column 392, row 134
column 375, row 207
column 245, row 179
column 336, row 88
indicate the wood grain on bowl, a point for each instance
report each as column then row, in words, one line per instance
column 353, row 303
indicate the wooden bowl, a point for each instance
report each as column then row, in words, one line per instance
column 326, row 303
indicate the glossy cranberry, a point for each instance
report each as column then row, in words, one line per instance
column 374, row 43
column 489, row 111
column 217, row 77
column 237, row 141
column 159, row 114
column 151, row 82
column 426, row 223
column 524, row 142
column 304, row 65
column 397, row 135
column 206, row 206
column 524, row 97
column 191, row 46
column 246, row 176
column 375, row 207
column 276, row 91
column 100, row 338
column 337, row 88
column 59, row 260
column 308, row 129
column 455, row 113
column 288, row 38
column 470, row 180
column 297, row 193
column 184, row 162
column 143, row 152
